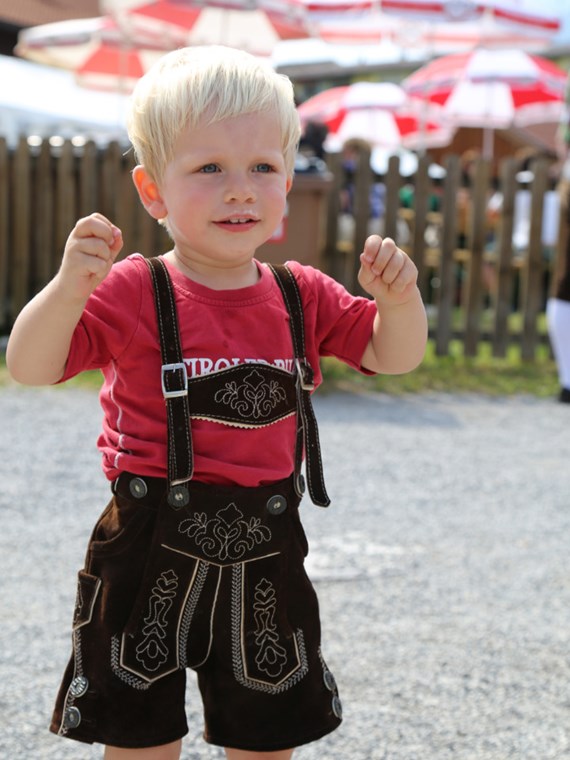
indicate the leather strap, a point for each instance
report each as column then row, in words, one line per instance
column 174, row 378
column 307, row 428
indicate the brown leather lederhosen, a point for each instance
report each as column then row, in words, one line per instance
column 181, row 574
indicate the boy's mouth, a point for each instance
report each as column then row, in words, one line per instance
column 238, row 222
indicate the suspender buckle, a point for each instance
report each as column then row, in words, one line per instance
column 305, row 376
column 170, row 377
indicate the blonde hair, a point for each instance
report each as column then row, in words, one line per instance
column 215, row 82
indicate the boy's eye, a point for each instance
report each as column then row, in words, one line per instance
column 209, row 169
column 263, row 168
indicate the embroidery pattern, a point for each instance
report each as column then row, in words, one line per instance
column 271, row 657
column 227, row 536
column 79, row 602
column 254, row 399
column 128, row 678
column 237, row 650
column 151, row 651
column 189, row 610
column 78, row 667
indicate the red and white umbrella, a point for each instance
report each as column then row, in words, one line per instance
column 374, row 112
column 440, row 26
column 389, row 129
column 377, row 28
column 256, row 26
column 95, row 50
column 491, row 89
column 524, row 13
column 330, row 107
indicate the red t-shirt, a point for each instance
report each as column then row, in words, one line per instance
column 118, row 334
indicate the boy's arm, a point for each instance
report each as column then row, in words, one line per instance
column 39, row 343
column 399, row 335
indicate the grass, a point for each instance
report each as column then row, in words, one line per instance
column 455, row 373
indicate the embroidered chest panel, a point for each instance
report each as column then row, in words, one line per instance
column 248, row 395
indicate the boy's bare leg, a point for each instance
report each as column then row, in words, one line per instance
column 164, row 752
column 240, row 754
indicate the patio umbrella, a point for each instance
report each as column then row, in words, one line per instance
column 331, row 106
column 491, row 89
column 440, row 26
column 376, row 28
column 524, row 13
column 95, row 50
column 385, row 128
column 253, row 25
column 376, row 112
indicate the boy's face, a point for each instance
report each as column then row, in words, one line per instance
column 225, row 189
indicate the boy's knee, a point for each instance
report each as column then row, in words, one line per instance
column 164, row 752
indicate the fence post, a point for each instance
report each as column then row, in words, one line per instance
column 421, row 201
column 448, row 243
column 534, row 264
column 361, row 211
column 474, row 302
column 44, row 268
column 20, row 274
column 333, row 266
column 504, row 257
column 66, row 198
column 88, row 180
column 4, row 228
column 110, row 181
column 393, row 183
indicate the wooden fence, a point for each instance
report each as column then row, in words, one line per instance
column 476, row 284
column 45, row 189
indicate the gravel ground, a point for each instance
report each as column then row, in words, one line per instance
column 442, row 568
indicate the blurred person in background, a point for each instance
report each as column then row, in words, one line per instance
column 558, row 306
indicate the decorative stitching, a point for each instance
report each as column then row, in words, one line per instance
column 237, row 650
column 152, row 652
column 228, row 535
column 189, row 610
column 255, row 398
column 271, row 657
column 124, row 675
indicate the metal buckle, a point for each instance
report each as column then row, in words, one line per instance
column 305, row 375
column 174, row 368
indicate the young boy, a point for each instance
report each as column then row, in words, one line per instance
column 197, row 561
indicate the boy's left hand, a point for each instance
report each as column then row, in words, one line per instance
column 386, row 272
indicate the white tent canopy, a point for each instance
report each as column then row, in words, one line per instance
column 38, row 100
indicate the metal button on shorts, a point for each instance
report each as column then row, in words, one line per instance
column 337, row 707
column 72, row 718
column 276, row 505
column 78, row 686
column 138, row 488
column 178, row 497
column 329, row 680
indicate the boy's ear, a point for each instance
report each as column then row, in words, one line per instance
column 289, row 184
column 149, row 193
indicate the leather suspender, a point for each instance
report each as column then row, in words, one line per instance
column 175, row 390
column 174, row 386
column 307, row 429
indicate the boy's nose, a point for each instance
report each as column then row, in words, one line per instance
column 240, row 189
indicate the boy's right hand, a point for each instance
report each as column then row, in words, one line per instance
column 90, row 251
